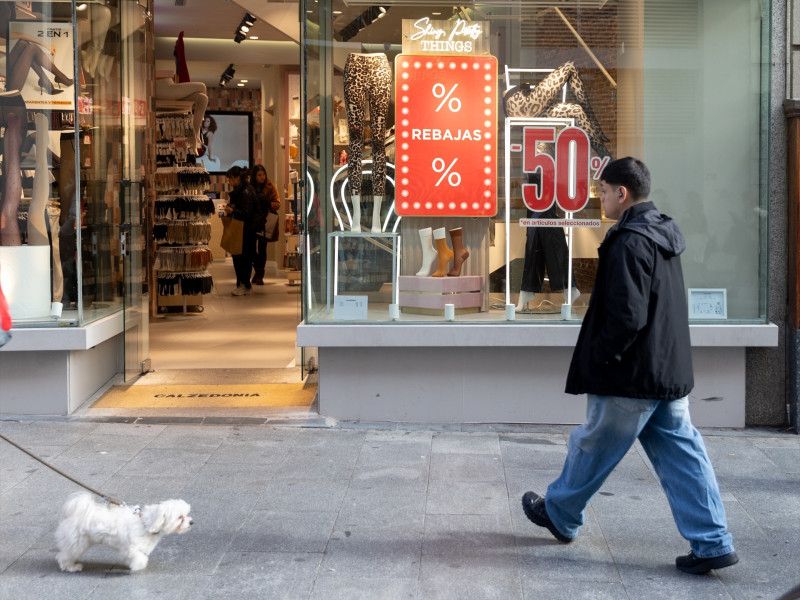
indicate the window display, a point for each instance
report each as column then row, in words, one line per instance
column 483, row 130
column 67, row 177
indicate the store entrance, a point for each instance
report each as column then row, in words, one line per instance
column 234, row 359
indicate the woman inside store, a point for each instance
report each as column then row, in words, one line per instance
column 242, row 206
column 269, row 201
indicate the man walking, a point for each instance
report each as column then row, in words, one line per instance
column 633, row 360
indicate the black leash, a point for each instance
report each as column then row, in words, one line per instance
column 72, row 479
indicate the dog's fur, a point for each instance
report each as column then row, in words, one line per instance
column 86, row 522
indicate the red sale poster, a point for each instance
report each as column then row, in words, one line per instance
column 446, row 131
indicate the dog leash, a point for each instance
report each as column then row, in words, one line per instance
column 60, row 472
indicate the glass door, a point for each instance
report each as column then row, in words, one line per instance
column 134, row 114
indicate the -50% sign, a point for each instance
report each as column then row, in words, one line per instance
column 446, row 130
column 563, row 179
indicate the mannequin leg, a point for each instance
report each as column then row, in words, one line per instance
column 355, row 97
column 522, row 302
column 428, row 252
column 37, row 225
column 58, row 275
column 191, row 91
column 443, row 252
column 356, row 226
column 12, row 194
column 200, row 103
column 460, row 254
column 100, row 19
column 377, row 226
column 66, row 229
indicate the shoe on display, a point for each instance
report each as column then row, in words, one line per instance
column 533, row 505
column 697, row 566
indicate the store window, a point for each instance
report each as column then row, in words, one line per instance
column 72, row 130
column 451, row 154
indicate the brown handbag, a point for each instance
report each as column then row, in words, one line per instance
column 232, row 235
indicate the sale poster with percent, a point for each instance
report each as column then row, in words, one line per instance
column 446, row 132
column 563, row 179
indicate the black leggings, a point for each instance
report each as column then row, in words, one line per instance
column 243, row 263
column 545, row 247
column 367, row 74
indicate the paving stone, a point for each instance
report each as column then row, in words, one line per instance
column 467, row 467
column 466, row 443
column 373, row 553
column 284, row 575
column 462, row 497
column 284, row 531
column 330, row 586
column 303, row 495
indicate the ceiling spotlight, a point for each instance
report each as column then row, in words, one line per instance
column 227, row 75
column 247, row 22
column 363, row 20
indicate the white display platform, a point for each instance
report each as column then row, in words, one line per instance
column 25, row 278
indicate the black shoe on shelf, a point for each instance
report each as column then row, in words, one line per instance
column 533, row 505
column 697, row 566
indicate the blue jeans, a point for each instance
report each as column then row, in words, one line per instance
column 674, row 447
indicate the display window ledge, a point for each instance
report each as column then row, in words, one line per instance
column 67, row 338
column 500, row 336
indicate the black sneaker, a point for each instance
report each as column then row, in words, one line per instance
column 533, row 505
column 697, row 566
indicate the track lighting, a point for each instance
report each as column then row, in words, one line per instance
column 247, row 22
column 366, row 18
column 227, row 75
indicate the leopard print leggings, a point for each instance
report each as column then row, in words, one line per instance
column 367, row 75
column 540, row 101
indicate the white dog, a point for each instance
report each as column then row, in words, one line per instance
column 132, row 533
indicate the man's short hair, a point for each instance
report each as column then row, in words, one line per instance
column 631, row 173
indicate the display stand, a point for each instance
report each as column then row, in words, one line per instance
column 292, row 253
column 521, row 122
column 378, row 239
column 26, row 281
column 430, row 295
column 181, row 231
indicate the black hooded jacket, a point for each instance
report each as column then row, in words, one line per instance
column 634, row 341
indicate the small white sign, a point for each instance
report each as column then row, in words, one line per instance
column 707, row 303
column 350, row 308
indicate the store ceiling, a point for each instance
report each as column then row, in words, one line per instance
column 209, row 27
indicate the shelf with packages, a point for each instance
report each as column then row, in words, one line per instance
column 181, row 230
column 292, row 254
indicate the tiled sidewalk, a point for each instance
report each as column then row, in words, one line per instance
column 369, row 511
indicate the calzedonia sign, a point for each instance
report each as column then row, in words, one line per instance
column 445, row 38
column 446, row 120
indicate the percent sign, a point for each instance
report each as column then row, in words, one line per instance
column 598, row 164
column 439, row 91
column 453, row 178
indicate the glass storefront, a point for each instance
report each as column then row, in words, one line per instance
column 452, row 154
column 74, row 112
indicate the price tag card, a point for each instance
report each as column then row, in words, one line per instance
column 446, row 132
